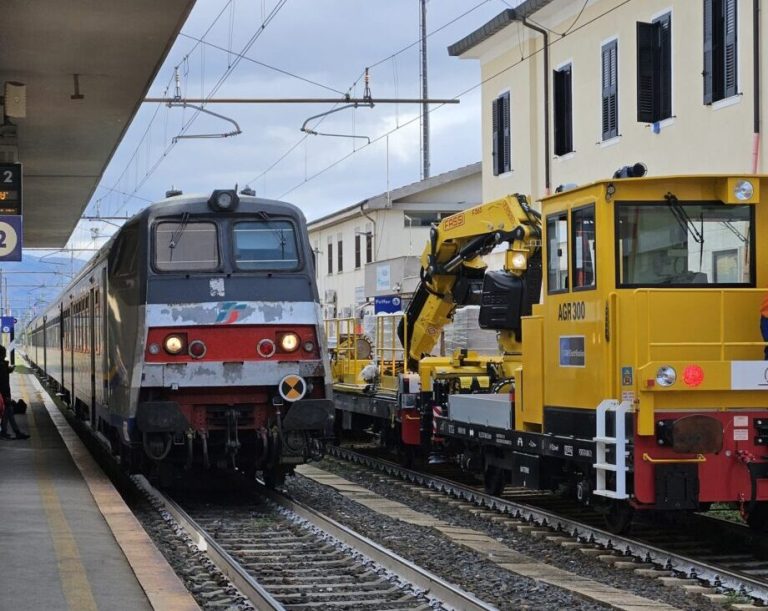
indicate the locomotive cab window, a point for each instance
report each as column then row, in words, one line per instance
column 583, row 244
column 182, row 246
column 557, row 253
column 681, row 244
column 265, row 245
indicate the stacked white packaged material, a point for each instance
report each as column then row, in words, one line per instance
column 465, row 332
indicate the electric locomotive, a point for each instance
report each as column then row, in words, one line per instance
column 194, row 337
column 638, row 380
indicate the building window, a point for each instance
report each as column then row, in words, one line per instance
column 557, row 253
column 583, row 244
column 330, row 255
column 610, row 90
column 340, row 255
column 368, row 243
column 358, row 247
column 502, row 156
column 654, row 70
column 563, row 119
column 719, row 50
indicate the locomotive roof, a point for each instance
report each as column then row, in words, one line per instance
column 199, row 203
column 569, row 192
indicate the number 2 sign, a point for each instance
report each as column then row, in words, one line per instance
column 10, row 238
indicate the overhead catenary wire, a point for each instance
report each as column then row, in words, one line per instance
column 457, row 96
column 272, row 14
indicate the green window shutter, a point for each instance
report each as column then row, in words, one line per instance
column 707, row 72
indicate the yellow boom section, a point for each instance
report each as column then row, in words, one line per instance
column 452, row 269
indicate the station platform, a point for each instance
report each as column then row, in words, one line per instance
column 67, row 539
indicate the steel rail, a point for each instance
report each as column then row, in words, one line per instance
column 437, row 587
column 247, row 585
column 693, row 569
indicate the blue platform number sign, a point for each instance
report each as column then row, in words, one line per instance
column 10, row 238
column 387, row 304
column 6, row 324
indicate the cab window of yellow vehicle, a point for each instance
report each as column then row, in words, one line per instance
column 185, row 246
column 266, row 245
column 684, row 244
column 583, row 244
column 557, row 253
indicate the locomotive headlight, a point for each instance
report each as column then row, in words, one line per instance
column 223, row 200
column 174, row 344
column 743, row 190
column 309, row 346
column 666, row 376
column 154, row 348
column 289, row 342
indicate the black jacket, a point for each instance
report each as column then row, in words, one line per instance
column 5, row 380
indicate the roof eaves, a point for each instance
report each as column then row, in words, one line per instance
column 495, row 25
column 400, row 192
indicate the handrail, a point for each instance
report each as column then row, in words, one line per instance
column 664, row 461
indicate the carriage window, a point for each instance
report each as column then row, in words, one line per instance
column 684, row 244
column 557, row 253
column 583, row 244
column 184, row 246
column 265, row 245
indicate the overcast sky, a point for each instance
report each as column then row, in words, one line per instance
column 328, row 43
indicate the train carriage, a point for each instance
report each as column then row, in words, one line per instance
column 194, row 337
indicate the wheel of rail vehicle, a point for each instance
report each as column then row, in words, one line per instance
column 618, row 517
column 757, row 519
column 493, row 480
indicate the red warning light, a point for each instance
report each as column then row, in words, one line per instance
column 693, row 375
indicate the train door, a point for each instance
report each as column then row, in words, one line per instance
column 103, row 344
column 45, row 345
column 93, row 297
column 62, row 323
column 71, row 335
column 574, row 341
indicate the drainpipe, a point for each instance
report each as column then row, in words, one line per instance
column 756, row 85
column 545, row 34
column 373, row 224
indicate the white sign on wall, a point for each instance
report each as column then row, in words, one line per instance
column 382, row 277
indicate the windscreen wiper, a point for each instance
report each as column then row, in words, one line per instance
column 176, row 235
column 682, row 218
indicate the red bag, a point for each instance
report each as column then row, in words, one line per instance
column 2, row 407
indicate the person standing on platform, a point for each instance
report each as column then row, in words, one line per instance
column 5, row 390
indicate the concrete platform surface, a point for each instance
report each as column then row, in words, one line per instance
column 60, row 525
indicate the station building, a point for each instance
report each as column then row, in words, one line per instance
column 372, row 248
column 573, row 90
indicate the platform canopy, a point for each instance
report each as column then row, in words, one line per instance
column 116, row 48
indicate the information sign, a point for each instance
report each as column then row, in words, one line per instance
column 10, row 238
column 387, row 304
column 10, row 188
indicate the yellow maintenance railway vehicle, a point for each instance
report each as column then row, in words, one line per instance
column 631, row 367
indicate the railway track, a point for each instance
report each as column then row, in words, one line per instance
column 721, row 554
column 283, row 555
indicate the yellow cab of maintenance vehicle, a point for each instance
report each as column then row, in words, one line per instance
column 647, row 342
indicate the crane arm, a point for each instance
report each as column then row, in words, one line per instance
column 452, row 270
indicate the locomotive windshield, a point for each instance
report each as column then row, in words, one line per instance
column 186, row 246
column 265, row 245
column 684, row 244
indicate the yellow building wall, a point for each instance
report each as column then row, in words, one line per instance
column 698, row 138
